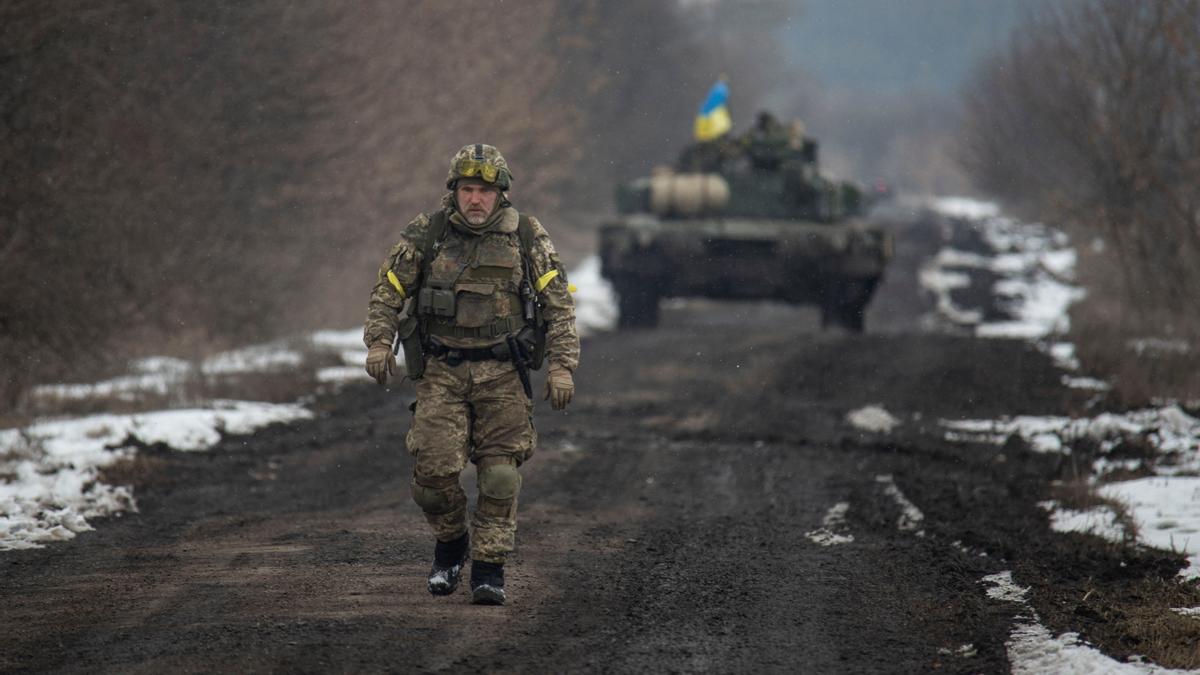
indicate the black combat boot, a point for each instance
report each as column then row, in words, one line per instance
column 448, row 560
column 487, row 583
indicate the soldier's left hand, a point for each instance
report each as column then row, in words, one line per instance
column 560, row 387
column 380, row 362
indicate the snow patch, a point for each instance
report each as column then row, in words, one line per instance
column 339, row 340
column 49, row 471
column 1033, row 263
column 910, row 516
column 1157, row 346
column 835, row 520
column 965, row 207
column 343, row 374
column 595, row 300
column 1063, row 354
column 1169, row 431
column 1002, row 587
column 1085, row 383
column 1165, row 508
column 1167, row 512
column 966, row 651
column 1100, row 521
column 873, row 419
column 1043, row 434
column 1034, row 650
column 256, row 359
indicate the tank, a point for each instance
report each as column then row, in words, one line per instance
column 745, row 217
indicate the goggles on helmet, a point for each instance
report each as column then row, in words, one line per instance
column 470, row 168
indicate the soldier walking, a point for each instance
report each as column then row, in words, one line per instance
column 477, row 297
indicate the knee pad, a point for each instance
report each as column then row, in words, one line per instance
column 500, row 482
column 436, row 499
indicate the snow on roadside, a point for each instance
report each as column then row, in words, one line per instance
column 1167, row 511
column 1100, row 521
column 350, row 339
column 255, row 359
column 911, row 518
column 348, row 345
column 1033, row 264
column 832, row 526
column 1172, row 433
column 965, row 207
column 1165, row 507
column 873, row 419
column 1034, row 650
column 159, row 375
column 155, row 375
column 1030, row 269
column 595, row 301
column 49, row 471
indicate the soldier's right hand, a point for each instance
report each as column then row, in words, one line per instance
column 380, row 362
column 560, row 387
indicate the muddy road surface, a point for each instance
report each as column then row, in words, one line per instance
column 703, row 506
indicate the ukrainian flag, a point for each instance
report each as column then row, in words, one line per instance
column 714, row 119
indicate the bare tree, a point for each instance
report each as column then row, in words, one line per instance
column 1090, row 115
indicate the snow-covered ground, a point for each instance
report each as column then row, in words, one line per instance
column 1033, row 267
column 50, row 471
column 1034, row 264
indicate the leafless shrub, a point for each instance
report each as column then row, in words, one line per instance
column 1088, row 117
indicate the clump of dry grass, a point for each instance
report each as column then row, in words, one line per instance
column 1145, row 616
column 1080, row 495
column 1148, row 349
column 140, row 471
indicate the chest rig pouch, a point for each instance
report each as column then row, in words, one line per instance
column 472, row 287
column 436, row 301
column 475, row 287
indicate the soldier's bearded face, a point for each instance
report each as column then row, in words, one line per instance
column 476, row 200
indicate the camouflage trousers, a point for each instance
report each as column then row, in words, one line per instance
column 477, row 412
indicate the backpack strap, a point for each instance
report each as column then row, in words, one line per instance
column 525, row 234
column 433, row 235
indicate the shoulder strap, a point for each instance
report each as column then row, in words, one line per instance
column 525, row 234
column 433, row 234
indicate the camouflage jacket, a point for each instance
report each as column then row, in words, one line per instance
column 405, row 265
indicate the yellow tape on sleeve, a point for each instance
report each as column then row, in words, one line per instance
column 544, row 279
column 396, row 282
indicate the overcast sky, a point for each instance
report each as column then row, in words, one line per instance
column 896, row 44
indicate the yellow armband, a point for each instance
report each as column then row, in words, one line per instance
column 391, row 276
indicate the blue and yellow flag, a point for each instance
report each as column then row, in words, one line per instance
column 714, row 119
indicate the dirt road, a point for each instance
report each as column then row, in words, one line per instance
column 664, row 524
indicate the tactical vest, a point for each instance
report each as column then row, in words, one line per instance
column 471, row 285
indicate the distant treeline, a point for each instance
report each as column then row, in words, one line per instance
column 179, row 177
column 1090, row 117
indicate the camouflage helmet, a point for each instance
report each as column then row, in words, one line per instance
column 479, row 161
